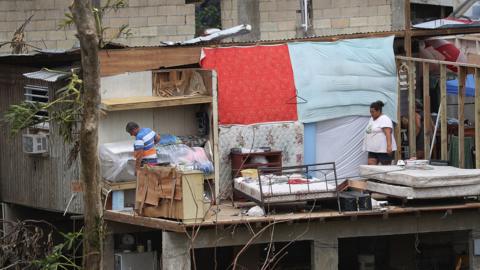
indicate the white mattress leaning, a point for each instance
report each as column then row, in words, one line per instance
column 430, row 176
column 278, row 189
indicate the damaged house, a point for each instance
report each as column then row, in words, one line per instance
column 260, row 162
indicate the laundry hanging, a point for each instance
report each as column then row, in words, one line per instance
column 343, row 78
column 254, row 83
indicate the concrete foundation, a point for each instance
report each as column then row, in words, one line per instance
column 324, row 235
column 175, row 251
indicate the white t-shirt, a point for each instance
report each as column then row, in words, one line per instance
column 375, row 139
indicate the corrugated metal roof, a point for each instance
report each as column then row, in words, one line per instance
column 47, row 75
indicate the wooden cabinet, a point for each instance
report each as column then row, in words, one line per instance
column 242, row 161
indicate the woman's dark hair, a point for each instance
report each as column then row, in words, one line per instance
column 377, row 105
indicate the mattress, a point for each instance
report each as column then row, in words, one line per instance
column 423, row 193
column 431, row 176
column 283, row 136
column 282, row 191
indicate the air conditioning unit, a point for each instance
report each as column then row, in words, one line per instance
column 35, row 143
column 136, row 261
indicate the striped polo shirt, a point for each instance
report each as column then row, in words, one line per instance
column 145, row 140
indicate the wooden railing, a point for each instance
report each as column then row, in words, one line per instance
column 411, row 65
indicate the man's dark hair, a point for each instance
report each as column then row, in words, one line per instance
column 131, row 126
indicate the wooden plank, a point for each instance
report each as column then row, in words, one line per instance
column 216, row 151
column 119, row 61
column 412, row 136
column 438, row 62
column 426, row 109
column 154, row 223
column 443, row 112
column 135, row 103
column 462, row 75
column 407, row 39
column 121, row 185
column 477, row 118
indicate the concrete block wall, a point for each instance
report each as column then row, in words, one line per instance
column 281, row 19
column 150, row 21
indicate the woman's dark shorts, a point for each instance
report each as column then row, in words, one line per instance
column 383, row 158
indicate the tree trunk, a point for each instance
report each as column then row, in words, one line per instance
column 90, row 169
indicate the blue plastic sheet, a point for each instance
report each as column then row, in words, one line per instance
column 309, row 143
column 343, row 78
column 452, row 86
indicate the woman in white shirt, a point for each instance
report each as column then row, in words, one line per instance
column 379, row 141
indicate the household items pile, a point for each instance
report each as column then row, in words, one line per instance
column 417, row 180
column 171, row 193
column 118, row 164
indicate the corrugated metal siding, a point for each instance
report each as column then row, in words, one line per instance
column 41, row 182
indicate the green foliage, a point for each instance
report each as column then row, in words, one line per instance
column 56, row 258
column 63, row 110
column 207, row 15
column 99, row 14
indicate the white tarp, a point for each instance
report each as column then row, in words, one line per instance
column 340, row 140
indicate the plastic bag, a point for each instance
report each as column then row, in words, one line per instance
column 180, row 154
column 117, row 162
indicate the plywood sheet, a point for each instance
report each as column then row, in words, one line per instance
column 114, row 62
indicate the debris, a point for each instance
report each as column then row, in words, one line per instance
column 255, row 211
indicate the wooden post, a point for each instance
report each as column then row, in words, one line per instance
column 412, row 147
column 462, row 74
column 407, row 40
column 398, row 153
column 427, row 129
column 477, row 118
column 443, row 112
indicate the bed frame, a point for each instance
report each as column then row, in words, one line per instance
column 326, row 170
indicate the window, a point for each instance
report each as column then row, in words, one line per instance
column 38, row 93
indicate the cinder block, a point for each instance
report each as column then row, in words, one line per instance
column 378, row 20
column 43, row 25
column 287, row 26
column 7, row 5
column 56, row 35
column 147, row 11
column 126, row 12
column 167, row 10
column 321, row 24
column 150, row 31
column 268, row 26
column 350, row 11
column 54, row 14
column 186, row 30
column 331, row 13
column 280, row 35
column 44, row 4
column 176, row 20
column 190, row 19
column 66, row 44
column 22, row 5
column 322, row 4
column 189, row 10
column 341, row 3
column 368, row 11
column 175, row 2
column 157, row 20
column 117, row 22
column 377, row 2
column 138, row 21
column 358, row 21
column 62, row 4
column 166, row 30
column 36, row 35
column 282, row 16
column 340, row 23
column 384, row 10
column 16, row 16
column 264, row 17
column 266, row 6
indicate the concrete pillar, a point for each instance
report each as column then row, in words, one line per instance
column 324, row 254
column 474, row 259
column 108, row 252
column 175, row 251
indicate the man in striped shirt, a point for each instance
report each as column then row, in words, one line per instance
column 144, row 146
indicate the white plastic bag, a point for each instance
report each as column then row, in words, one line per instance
column 117, row 162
